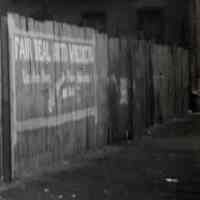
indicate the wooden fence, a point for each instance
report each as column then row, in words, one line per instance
column 157, row 85
column 67, row 89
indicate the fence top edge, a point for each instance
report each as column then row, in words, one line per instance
column 86, row 30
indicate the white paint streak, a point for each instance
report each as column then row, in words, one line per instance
column 42, row 122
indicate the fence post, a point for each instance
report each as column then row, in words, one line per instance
column 6, row 114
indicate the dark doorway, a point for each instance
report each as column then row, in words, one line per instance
column 96, row 20
column 150, row 24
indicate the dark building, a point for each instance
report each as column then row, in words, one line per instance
column 163, row 21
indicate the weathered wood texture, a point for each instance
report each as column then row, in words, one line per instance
column 159, row 85
column 142, row 105
column 5, row 94
column 171, row 80
column 59, row 88
column 101, row 89
column 73, row 89
column 1, row 102
column 118, row 87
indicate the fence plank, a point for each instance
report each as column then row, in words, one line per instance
column 7, row 125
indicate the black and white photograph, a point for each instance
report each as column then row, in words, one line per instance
column 99, row 99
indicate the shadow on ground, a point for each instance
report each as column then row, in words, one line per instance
column 154, row 169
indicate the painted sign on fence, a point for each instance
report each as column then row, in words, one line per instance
column 53, row 77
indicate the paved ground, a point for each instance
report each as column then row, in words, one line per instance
column 148, row 171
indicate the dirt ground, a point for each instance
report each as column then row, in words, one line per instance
column 154, row 169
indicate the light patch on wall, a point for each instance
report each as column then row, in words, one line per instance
column 123, row 91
